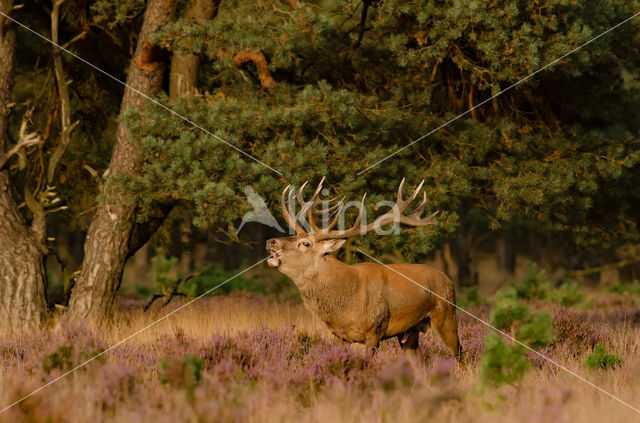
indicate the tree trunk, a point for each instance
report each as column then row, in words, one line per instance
column 107, row 242
column 183, row 78
column 506, row 252
column 462, row 252
column 22, row 274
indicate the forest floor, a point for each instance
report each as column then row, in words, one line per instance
column 243, row 357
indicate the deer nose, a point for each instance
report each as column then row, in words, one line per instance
column 271, row 243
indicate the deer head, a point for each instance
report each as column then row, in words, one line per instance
column 304, row 253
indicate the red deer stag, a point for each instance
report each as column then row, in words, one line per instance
column 365, row 302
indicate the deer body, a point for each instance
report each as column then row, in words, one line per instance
column 366, row 302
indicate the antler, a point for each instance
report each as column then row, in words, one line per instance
column 395, row 215
column 286, row 210
column 306, row 207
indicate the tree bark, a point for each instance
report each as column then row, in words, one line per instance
column 63, row 90
column 22, row 273
column 260, row 62
column 462, row 252
column 183, row 78
column 506, row 252
column 108, row 237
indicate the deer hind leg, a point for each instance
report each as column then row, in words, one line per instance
column 410, row 345
column 445, row 324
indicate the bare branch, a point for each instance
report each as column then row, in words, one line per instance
column 63, row 90
column 258, row 59
column 77, row 38
column 25, row 140
column 38, row 224
column 92, row 171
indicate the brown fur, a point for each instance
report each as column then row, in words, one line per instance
column 368, row 302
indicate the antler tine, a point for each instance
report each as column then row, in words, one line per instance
column 314, row 201
column 413, row 217
column 286, row 203
column 332, row 208
column 307, row 207
column 313, row 198
column 395, row 215
column 402, row 203
column 416, row 220
column 421, row 207
column 340, row 206
column 399, row 199
column 415, row 193
column 299, row 194
column 347, row 233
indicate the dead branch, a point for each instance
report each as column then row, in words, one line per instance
column 78, row 37
column 25, row 140
column 175, row 291
column 260, row 62
column 363, row 21
column 63, row 90
column 598, row 269
column 474, row 115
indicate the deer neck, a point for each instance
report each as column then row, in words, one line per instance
column 327, row 271
column 327, row 288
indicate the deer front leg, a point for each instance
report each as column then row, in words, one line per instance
column 372, row 342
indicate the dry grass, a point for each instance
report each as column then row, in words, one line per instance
column 242, row 340
column 222, row 315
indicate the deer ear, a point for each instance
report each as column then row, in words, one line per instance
column 332, row 245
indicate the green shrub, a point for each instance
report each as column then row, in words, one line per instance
column 535, row 285
column 162, row 275
column 60, row 359
column 623, row 288
column 599, row 359
column 214, row 276
column 502, row 363
column 568, row 294
column 508, row 312
column 166, row 279
column 537, row 332
column 181, row 372
column 469, row 297
column 161, row 269
column 143, row 291
column 632, row 288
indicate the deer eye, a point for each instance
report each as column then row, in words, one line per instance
column 306, row 244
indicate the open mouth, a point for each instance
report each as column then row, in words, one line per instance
column 274, row 260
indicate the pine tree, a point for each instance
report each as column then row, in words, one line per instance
column 339, row 93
